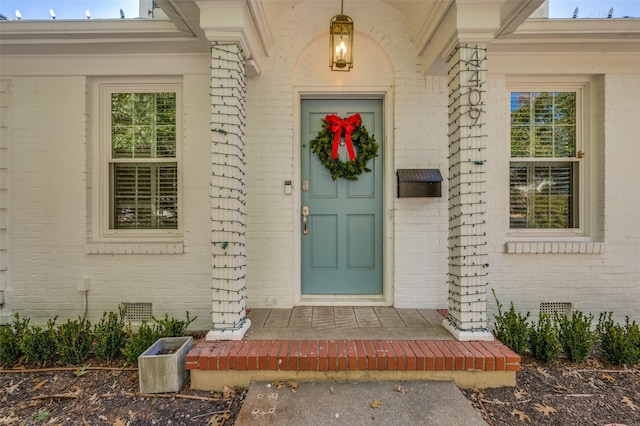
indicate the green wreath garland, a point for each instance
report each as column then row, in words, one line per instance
column 365, row 146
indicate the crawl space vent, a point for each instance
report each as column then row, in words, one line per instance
column 137, row 312
column 551, row 308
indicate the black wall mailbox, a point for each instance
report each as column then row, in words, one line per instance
column 419, row 183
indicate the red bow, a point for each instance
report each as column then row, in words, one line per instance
column 336, row 124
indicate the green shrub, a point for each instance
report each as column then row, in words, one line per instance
column 576, row 336
column 110, row 336
column 9, row 351
column 10, row 337
column 543, row 339
column 511, row 328
column 149, row 333
column 39, row 344
column 171, row 327
column 619, row 344
column 74, row 341
column 139, row 342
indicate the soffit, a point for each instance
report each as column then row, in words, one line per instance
column 572, row 36
column 96, row 36
column 181, row 32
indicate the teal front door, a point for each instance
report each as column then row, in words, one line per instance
column 342, row 249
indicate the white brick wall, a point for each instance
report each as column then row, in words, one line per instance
column 52, row 146
column 50, row 222
column 5, row 103
column 591, row 281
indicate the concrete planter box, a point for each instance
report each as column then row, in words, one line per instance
column 162, row 367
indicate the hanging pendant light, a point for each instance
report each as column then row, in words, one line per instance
column 341, row 42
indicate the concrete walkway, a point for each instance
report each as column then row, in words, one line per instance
column 349, row 403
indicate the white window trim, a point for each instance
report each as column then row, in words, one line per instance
column 535, row 238
column 101, row 231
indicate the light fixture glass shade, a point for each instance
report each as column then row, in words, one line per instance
column 341, row 43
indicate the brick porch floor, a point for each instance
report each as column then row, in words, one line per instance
column 313, row 343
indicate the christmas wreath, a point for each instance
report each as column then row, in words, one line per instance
column 361, row 146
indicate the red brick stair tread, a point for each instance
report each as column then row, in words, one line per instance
column 352, row 355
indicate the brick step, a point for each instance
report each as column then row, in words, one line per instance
column 352, row 356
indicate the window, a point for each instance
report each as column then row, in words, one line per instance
column 140, row 173
column 545, row 163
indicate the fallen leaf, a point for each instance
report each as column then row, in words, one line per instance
column 593, row 363
column 81, row 372
column 480, row 392
column 293, row 385
column 12, row 388
column 400, row 389
column 545, row 409
column 607, row 377
column 9, row 420
column 376, row 403
column 543, row 371
column 228, row 392
column 219, row 419
column 278, row 384
column 520, row 393
column 522, row 415
column 571, row 373
column 560, row 389
column 38, row 386
column 591, row 382
column 119, row 422
column 332, row 389
column 629, row 403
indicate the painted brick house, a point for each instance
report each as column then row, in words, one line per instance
column 165, row 163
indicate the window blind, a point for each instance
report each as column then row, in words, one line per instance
column 143, row 167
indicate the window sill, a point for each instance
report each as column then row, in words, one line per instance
column 135, row 248
column 548, row 247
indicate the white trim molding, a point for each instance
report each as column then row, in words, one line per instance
column 549, row 247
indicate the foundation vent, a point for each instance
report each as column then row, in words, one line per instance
column 137, row 312
column 552, row 308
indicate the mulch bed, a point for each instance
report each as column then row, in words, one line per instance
column 592, row 393
column 106, row 395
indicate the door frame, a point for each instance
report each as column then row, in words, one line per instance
column 388, row 191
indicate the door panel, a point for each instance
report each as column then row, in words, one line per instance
column 342, row 252
column 361, row 241
column 324, row 245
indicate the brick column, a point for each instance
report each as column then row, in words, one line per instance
column 228, row 226
column 468, row 265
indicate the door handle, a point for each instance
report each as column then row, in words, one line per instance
column 305, row 214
